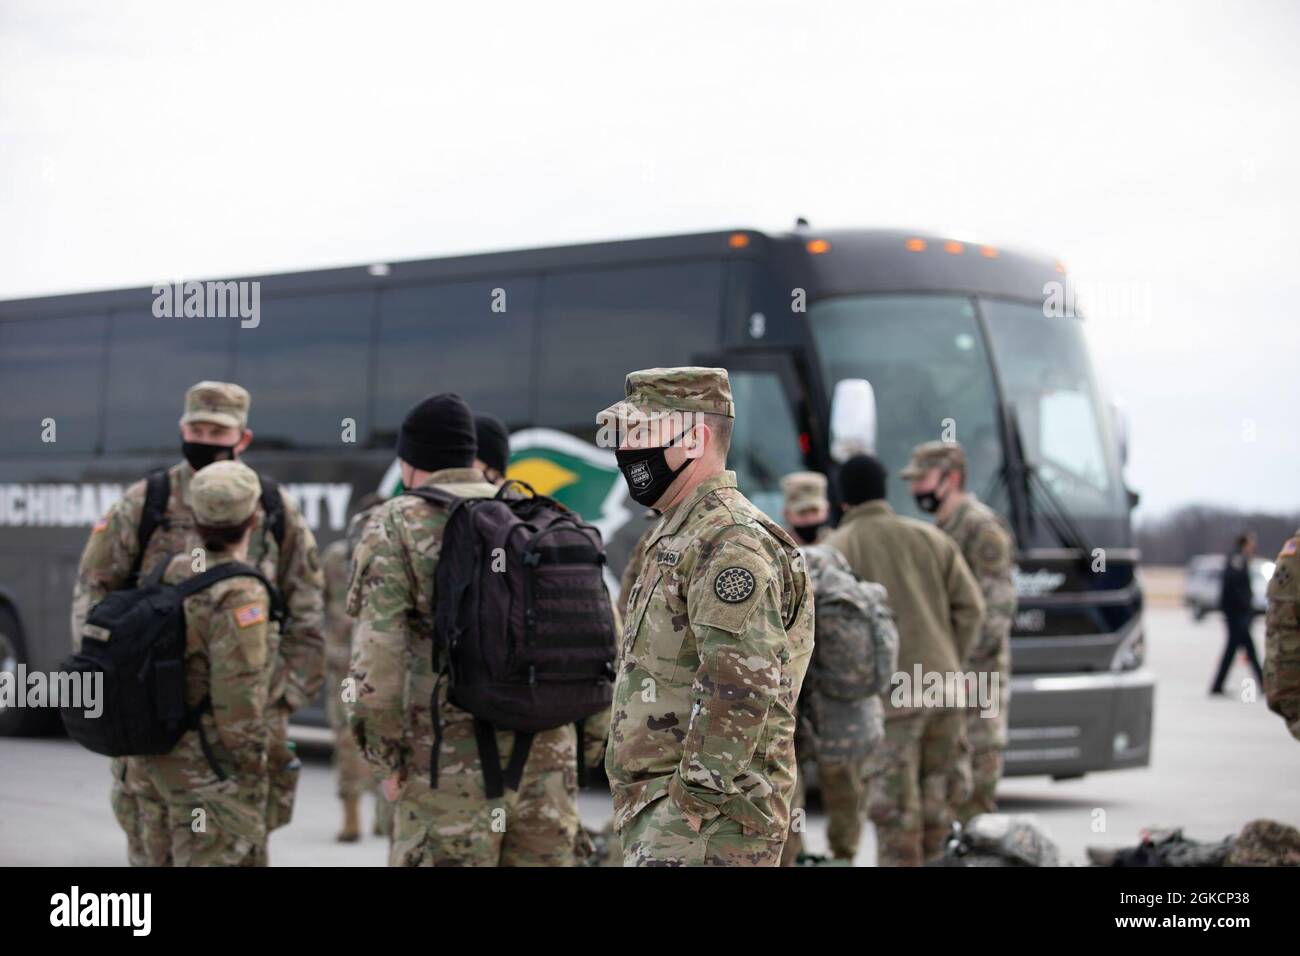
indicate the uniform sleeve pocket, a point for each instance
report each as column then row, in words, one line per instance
column 727, row 591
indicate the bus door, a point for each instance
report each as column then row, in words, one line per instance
column 770, row 438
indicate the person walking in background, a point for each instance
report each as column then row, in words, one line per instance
column 1236, row 600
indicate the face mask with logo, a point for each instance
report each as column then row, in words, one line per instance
column 807, row 533
column 928, row 502
column 647, row 473
column 200, row 454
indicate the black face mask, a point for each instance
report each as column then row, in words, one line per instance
column 807, row 533
column 928, row 502
column 647, row 473
column 199, row 454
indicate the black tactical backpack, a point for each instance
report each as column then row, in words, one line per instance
column 523, row 626
column 135, row 643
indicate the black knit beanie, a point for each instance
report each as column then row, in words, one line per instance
column 493, row 441
column 862, row 478
column 438, row 433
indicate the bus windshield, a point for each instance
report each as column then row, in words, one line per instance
column 1048, row 380
column 925, row 358
column 929, row 364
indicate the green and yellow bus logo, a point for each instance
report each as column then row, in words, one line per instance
column 573, row 472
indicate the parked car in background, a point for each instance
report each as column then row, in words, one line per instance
column 1204, row 583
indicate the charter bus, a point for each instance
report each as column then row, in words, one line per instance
column 835, row 341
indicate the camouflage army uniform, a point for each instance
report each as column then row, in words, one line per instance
column 106, row 564
column 391, row 597
column 353, row 773
column 1282, row 638
column 838, row 727
column 912, row 786
column 987, row 546
column 212, row 786
column 211, row 819
column 632, row 570
column 718, row 634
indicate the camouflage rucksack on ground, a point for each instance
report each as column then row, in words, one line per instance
column 855, row 652
column 1000, row 839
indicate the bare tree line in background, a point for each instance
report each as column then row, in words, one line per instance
column 1180, row 535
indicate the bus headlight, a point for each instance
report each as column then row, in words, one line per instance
column 1131, row 652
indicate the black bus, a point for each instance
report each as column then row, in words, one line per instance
column 911, row 337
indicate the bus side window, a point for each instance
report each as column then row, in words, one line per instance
column 307, row 366
column 600, row 324
column 471, row 338
column 51, row 374
column 151, row 362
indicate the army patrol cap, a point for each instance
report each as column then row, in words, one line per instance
column 934, row 454
column 221, row 403
column 652, row 392
column 804, row 489
column 224, row 493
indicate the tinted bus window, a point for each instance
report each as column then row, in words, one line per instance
column 151, row 362
column 51, row 369
column 462, row 337
column 307, row 367
column 599, row 325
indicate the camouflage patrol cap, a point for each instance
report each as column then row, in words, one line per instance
column 224, row 494
column 221, row 403
column 804, row 489
column 651, row 392
column 947, row 455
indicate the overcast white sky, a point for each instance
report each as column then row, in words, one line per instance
column 1151, row 146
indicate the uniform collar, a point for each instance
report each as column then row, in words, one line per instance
column 868, row 509
column 676, row 516
column 453, row 476
column 958, row 515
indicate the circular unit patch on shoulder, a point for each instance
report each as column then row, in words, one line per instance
column 733, row 585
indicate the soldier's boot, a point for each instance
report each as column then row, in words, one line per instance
column 351, row 831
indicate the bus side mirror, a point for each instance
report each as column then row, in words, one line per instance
column 853, row 419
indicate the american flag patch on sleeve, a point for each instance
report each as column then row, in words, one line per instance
column 1288, row 549
column 249, row 614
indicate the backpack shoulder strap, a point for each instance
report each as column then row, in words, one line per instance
column 232, row 569
column 273, row 505
column 157, row 492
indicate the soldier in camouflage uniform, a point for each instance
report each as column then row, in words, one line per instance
column 214, row 810
column 353, row 773
column 807, row 508
column 1282, row 638
column 717, row 637
column 213, row 425
column 937, row 472
column 395, row 675
column 914, row 784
